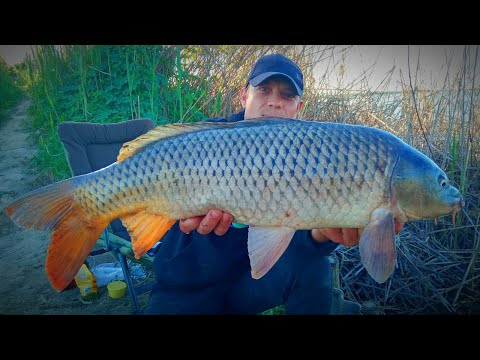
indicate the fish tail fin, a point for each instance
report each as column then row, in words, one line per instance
column 53, row 207
column 43, row 208
column 71, row 242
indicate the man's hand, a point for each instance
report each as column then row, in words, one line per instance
column 215, row 220
column 220, row 221
column 346, row 236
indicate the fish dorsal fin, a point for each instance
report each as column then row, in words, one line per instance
column 377, row 245
column 265, row 246
column 130, row 148
column 146, row 229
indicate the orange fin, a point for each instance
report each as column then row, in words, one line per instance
column 377, row 245
column 71, row 242
column 54, row 207
column 146, row 229
column 265, row 246
column 43, row 208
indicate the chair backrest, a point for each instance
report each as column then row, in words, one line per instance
column 91, row 146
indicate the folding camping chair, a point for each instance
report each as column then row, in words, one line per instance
column 92, row 146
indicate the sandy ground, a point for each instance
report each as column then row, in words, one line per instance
column 24, row 287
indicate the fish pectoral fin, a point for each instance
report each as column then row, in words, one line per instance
column 146, row 229
column 377, row 245
column 265, row 246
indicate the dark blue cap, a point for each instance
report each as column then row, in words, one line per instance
column 276, row 64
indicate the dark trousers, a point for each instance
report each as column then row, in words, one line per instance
column 301, row 280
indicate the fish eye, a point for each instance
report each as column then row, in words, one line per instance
column 443, row 182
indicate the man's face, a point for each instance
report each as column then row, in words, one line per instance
column 274, row 97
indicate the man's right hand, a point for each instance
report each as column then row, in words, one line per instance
column 215, row 220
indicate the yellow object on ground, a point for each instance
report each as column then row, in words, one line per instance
column 116, row 289
column 87, row 283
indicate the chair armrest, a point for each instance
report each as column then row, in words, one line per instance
column 125, row 247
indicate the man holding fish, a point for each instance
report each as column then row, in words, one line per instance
column 202, row 265
column 247, row 211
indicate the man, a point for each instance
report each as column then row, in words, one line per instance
column 202, row 265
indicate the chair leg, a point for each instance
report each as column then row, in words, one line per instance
column 131, row 290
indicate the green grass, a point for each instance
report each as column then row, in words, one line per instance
column 10, row 93
column 278, row 310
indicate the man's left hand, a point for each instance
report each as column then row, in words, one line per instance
column 345, row 236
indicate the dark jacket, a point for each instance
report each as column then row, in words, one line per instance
column 196, row 261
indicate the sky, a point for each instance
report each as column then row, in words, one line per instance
column 377, row 60
column 14, row 54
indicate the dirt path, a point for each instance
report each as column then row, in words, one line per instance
column 24, row 287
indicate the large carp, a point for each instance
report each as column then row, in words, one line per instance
column 277, row 175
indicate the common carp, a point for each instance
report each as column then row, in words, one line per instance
column 275, row 174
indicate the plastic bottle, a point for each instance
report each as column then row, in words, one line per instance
column 107, row 272
column 87, row 284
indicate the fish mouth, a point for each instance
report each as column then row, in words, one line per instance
column 457, row 206
column 458, row 203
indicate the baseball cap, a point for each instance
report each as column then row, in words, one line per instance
column 276, row 64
